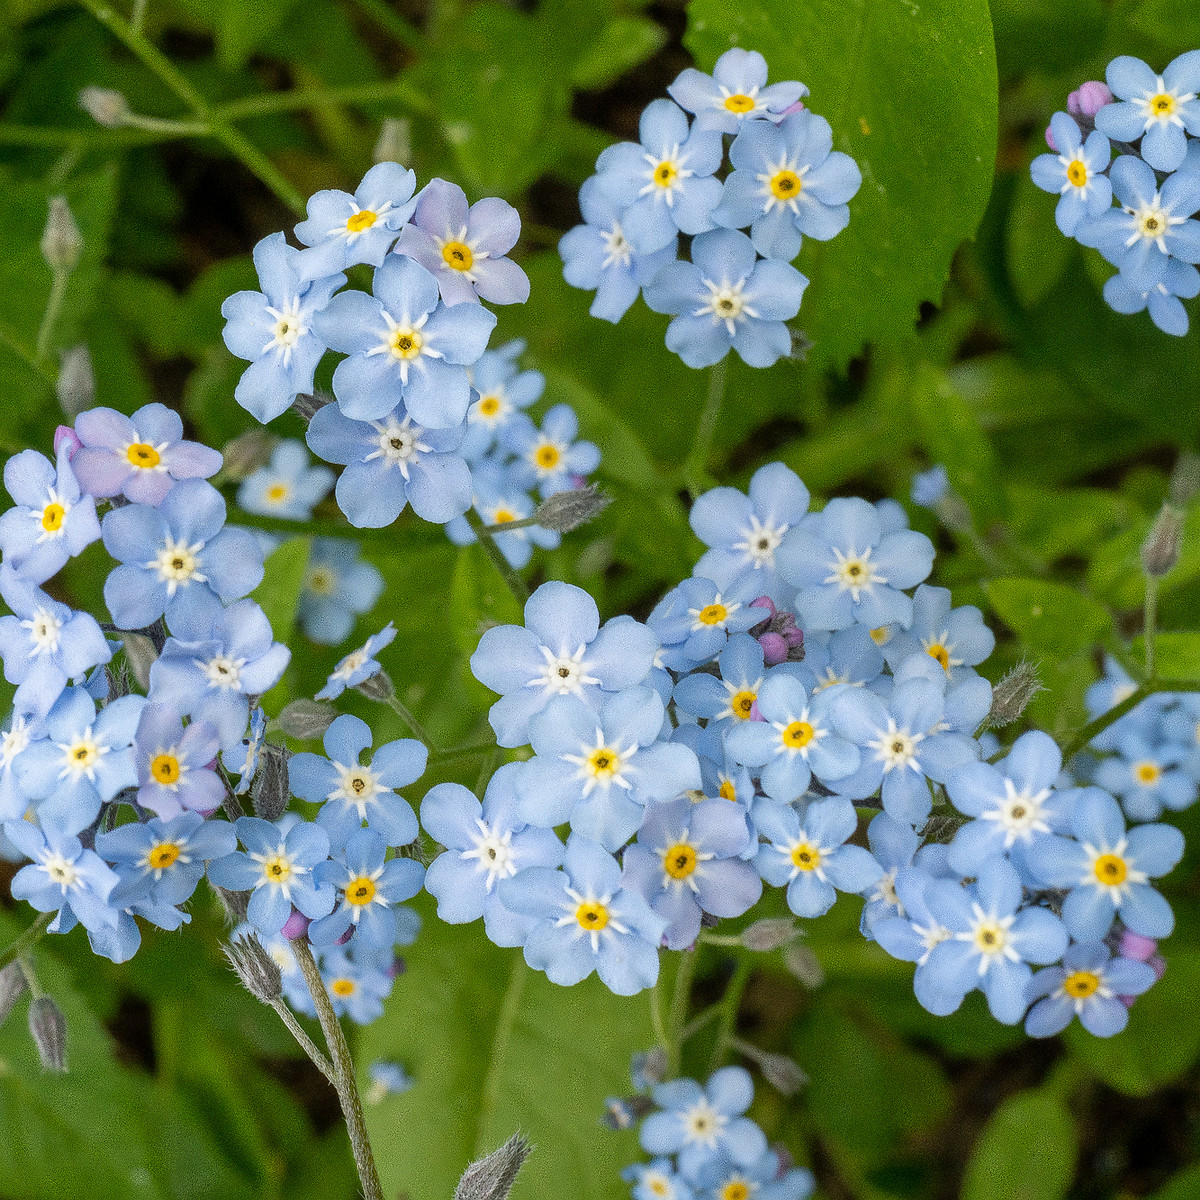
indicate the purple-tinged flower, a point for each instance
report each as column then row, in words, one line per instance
column 52, row 521
column 358, row 665
column 1160, row 109
column 465, row 247
column 342, row 230
column 1075, row 173
column 140, row 457
column 404, row 347
column 274, row 329
column 735, row 94
column 549, row 459
column 1089, row 985
column 63, row 878
column 174, row 764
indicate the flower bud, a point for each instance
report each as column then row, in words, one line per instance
column 12, row 988
column 769, row 933
column 1160, row 550
column 48, row 1028
column 306, row 720
column 395, row 141
column 1088, row 99
column 62, row 243
column 782, row 1073
column 76, row 384
column 270, row 791
column 234, row 904
column 64, row 435
column 377, row 687
column 105, row 106
column 306, row 407
column 258, row 971
column 140, row 654
column 296, row 926
column 492, row 1178
column 1185, row 479
column 246, row 453
column 623, row 1112
column 565, row 511
column 1134, row 945
column 1012, row 694
column 804, row 965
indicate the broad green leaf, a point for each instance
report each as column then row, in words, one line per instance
column 1050, row 618
column 245, row 26
column 1026, row 1152
column 496, row 1047
column 910, row 90
column 479, row 598
column 623, row 43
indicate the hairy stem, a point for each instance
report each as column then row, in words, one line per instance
column 24, row 940
column 1150, row 625
column 681, row 996
column 58, row 293
column 514, row 582
column 405, row 714
column 730, row 1003
column 306, row 1043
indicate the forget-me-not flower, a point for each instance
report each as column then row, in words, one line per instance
column 62, row 878
column 288, row 486
column 358, row 665
column 504, row 391
column 173, row 764
column 549, row 459
column 735, row 94
column 1089, row 985
column 1163, row 300
column 1075, row 173
column 1160, row 109
column 338, row 586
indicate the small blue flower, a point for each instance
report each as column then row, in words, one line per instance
column 560, row 651
column 1146, row 777
column 696, row 619
column 788, row 181
column 727, row 297
column 352, row 793
column 278, row 866
column 359, row 980
column 392, row 461
column 248, row 751
column 497, row 500
column 174, row 764
column 23, row 729
column 586, row 921
column 809, row 856
column 52, row 521
column 485, row 844
column 848, row 656
column 1108, row 870
column 657, row 1180
column 1076, row 173
column 289, row 486
column 504, row 391
column 735, row 94
column 1163, row 300
column 665, row 185
column 930, row 487
column 338, row 586
column 1089, row 985
column 274, row 329
column 358, row 665
column 703, row 1125
column 175, row 556
column 1159, row 109
column 893, row 844
column 342, row 230
column 727, row 699
column 387, row 1079
column 849, row 569
column 549, row 459
column 688, row 860
column 1115, row 687
column 404, row 347
column 765, row 1179
column 63, row 878
column 955, row 638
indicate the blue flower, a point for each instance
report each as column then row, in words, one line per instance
column 849, row 569
column 167, row 857
column 278, row 866
column 665, row 185
column 992, row 938
column 392, row 461
column 465, row 247
column 586, row 921
column 359, row 980
column 848, row 656
column 955, row 638
column 795, row 740
column 720, row 776
column 1014, row 803
column 24, row 728
column 503, row 391
column 139, row 457
column 1145, row 776
column 688, row 860
column 83, row 762
column 275, row 330
column 369, row 885
column 175, row 555
column 63, row 878
column 735, row 94
column 352, row 793
column 726, row 700
column 1159, row 109
column 342, row 230
column 1076, row 173
column 913, row 933
column 387, row 1079
column 788, row 181
column 1108, row 870
column 404, row 347
column 743, row 532
column 549, row 459
column 597, row 256
column 657, row 1180
column 727, row 297
column 766, row 1179
column 1151, row 227
column 809, row 856
column 52, row 521
column 1106, row 693
column 497, row 500
column 216, row 662
column 485, row 844
column 288, row 487
column 1162, row 300
column 702, row 1125
column 695, row 619
column 173, row 764
column 930, row 487
column 893, row 844
column 358, row 665
column 249, row 749
column 338, row 586
column 1089, row 985
column 44, row 644
column 560, row 651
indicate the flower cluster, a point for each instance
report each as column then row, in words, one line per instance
column 1149, row 233
column 425, row 417
column 785, row 183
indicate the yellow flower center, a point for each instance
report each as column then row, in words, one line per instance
column 321, row 581
column 1077, row 173
column 742, row 704
column 489, row 406
column 546, row 456
column 679, row 861
column 360, row 891
column 458, row 255
column 502, row 516
column 165, row 768
column 797, row 735
column 406, row 343
column 739, row 102
column 277, row 493
column 604, row 762
column 163, row 855
column 361, row 220
column 52, row 517
column 342, row 987
column 1163, row 105
column 1147, row 773
column 665, row 174
column 728, row 791
column 1110, row 869
column 939, row 653
column 592, row 916
column 1081, row 984
column 143, row 456
column 735, row 1189
column 277, row 868
column 712, row 614
column 806, row 856
column 881, row 635
column 786, row 185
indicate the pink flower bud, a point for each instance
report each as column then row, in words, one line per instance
column 1134, row 945
column 764, row 602
column 296, row 926
column 1050, row 140
column 774, row 648
column 64, row 435
column 1089, row 99
column 1158, row 965
column 398, row 967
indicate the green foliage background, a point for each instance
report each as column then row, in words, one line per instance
column 950, row 323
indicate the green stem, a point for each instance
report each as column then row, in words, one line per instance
column 721, row 939
column 305, row 1042
column 457, row 752
column 393, row 91
column 512, row 526
column 405, row 714
column 138, row 17
column 58, row 293
column 343, row 1065
column 1102, row 722
column 1150, row 626
column 681, row 995
column 24, row 940
column 694, row 468
column 31, row 981
column 393, row 22
column 514, row 582
column 48, row 135
column 656, row 1015
column 13, row 340
column 730, row 1004
column 698, row 1023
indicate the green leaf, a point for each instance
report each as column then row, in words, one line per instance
column 1185, row 1186
column 1050, row 618
column 910, row 90
column 496, row 1047
column 623, row 43
column 1037, row 252
column 1026, row 1152
column 479, row 598
column 283, row 581
column 1178, row 654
